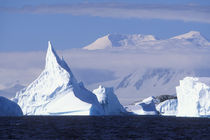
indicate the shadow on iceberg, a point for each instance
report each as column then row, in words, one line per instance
column 9, row 108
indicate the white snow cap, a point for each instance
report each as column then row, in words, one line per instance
column 192, row 39
column 191, row 34
column 119, row 40
column 193, row 96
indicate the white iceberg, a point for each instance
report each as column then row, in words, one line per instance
column 167, row 107
column 9, row 108
column 109, row 101
column 193, row 96
column 57, row 92
column 145, row 107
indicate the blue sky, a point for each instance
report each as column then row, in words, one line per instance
column 28, row 25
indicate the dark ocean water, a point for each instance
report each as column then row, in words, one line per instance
column 104, row 127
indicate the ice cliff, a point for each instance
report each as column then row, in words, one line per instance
column 193, row 96
column 109, row 101
column 167, row 107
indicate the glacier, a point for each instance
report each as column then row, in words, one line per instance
column 109, row 101
column 193, row 96
column 9, row 108
column 57, row 92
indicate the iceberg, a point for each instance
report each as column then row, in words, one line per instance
column 145, row 107
column 9, row 108
column 167, row 107
column 57, row 92
column 193, row 96
column 109, row 101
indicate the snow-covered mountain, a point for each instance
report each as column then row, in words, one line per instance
column 144, row 66
column 192, row 39
column 57, row 92
column 119, row 40
column 142, row 83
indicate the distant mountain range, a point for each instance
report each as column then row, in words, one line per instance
column 146, row 66
column 191, row 39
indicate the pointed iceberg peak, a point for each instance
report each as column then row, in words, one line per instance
column 49, row 45
column 52, row 58
column 55, row 64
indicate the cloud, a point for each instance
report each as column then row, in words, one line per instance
column 195, row 13
column 26, row 66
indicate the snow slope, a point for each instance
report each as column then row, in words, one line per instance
column 168, row 107
column 109, row 101
column 194, row 37
column 57, row 92
column 9, row 108
column 193, row 96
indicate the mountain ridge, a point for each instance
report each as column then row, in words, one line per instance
column 192, row 38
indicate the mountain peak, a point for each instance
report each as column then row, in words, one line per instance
column 119, row 40
column 191, row 34
column 100, row 43
column 194, row 37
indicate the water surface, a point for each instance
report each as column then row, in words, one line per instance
column 104, row 127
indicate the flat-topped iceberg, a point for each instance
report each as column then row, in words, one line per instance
column 57, row 92
column 9, row 108
column 193, row 96
column 109, row 101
